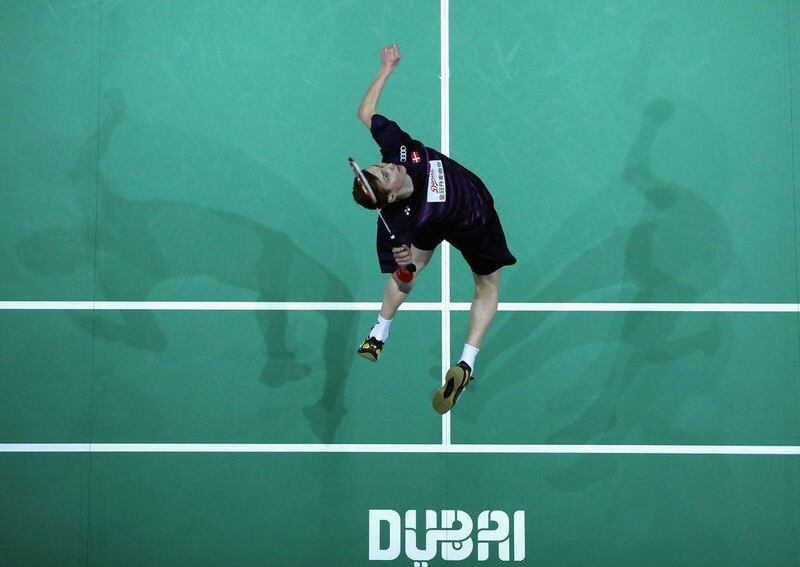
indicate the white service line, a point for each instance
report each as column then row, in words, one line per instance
column 398, row 448
column 212, row 305
column 445, row 305
column 647, row 307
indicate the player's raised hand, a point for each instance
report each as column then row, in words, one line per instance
column 390, row 57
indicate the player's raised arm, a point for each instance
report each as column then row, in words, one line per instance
column 390, row 57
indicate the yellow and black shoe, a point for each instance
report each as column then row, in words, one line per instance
column 370, row 349
column 455, row 381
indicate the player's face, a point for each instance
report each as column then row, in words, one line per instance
column 391, row 176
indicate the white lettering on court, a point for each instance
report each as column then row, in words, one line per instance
column 449, row 536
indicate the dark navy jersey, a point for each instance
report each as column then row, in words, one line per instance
column 449, row 202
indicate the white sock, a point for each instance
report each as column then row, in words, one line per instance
column 469, row 354
column 381, row 329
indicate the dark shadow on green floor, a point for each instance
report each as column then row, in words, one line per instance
column 642, row 238
column 677, row 251
column 145, row 243
column 684, row 273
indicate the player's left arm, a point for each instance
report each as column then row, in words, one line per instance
column 390, row 57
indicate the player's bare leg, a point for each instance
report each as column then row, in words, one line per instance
column 396, row 291
column 394, row 294
column 484, row 307
column 481, row 314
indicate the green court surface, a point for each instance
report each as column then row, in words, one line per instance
column 642, row 156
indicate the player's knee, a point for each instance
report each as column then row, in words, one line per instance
column 487, row 292
column 487, row 285
column 404, row 287
column 420, row 257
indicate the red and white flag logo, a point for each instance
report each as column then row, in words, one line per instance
column 415, row 157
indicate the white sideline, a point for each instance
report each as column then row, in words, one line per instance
column 397, row 448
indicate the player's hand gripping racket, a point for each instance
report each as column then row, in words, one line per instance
column 404, row 273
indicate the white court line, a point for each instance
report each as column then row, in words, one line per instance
column 212, row 305
column 444, row 37
column 398, row 448
column 648, row 307
column 408, row 306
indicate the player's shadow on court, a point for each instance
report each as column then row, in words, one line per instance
column 144, row 246
column 678, row 250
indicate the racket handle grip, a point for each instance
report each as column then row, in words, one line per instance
column 405, row 273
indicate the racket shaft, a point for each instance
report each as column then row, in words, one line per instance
column 410, row 268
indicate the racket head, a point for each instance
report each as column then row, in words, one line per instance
column 365, row 186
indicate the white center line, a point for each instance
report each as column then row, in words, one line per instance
column 444, row 20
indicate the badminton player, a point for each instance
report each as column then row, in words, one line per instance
column 425, row 198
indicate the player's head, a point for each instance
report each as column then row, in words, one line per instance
column 388, row 182
column 360, row 197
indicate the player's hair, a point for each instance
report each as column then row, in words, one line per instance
column 380, row 193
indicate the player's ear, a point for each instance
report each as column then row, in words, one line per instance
column 392, row 197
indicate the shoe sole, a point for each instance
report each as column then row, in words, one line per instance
column 368, row 355
column 445, row 397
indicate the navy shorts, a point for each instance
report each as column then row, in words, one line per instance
column 483, row 246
